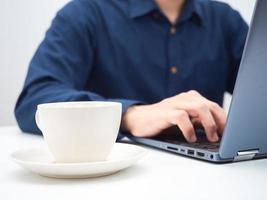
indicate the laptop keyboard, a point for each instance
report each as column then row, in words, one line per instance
column 206, row 145
column 202, row 142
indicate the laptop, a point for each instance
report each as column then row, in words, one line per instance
column 245, row 133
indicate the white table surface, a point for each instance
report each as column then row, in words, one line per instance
column 159, row 175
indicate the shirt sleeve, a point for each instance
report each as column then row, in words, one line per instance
column 61, row 67
column 236, row 30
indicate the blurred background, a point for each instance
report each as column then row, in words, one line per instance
column 22, row 27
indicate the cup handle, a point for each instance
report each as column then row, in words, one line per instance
column 37, row 121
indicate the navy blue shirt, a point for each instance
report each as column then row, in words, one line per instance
column 127, row 51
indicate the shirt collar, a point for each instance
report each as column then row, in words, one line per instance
column 139, row 8
column 193, row 9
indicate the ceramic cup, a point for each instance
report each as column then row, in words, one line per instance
column 79, row 131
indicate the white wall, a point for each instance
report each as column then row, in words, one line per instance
column 22, row 27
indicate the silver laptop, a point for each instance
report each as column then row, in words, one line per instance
column 245, row 134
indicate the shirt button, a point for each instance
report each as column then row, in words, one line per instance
column 173, row 70
column 172, row 30
column 155, row 15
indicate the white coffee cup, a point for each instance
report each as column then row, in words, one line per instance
column 79, row 131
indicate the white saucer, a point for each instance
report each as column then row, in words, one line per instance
column 40, row 161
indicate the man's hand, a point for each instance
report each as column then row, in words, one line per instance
column 184, row 110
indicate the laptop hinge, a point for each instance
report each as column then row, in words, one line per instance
column 246, row 155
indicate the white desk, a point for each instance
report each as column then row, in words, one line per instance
column 158, row 175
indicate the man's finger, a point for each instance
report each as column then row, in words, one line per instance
column 219, row 116
column 208, row 123
column 182, row 120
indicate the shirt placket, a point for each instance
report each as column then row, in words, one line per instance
column 173, row 47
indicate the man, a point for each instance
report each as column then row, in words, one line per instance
column 168, row 62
